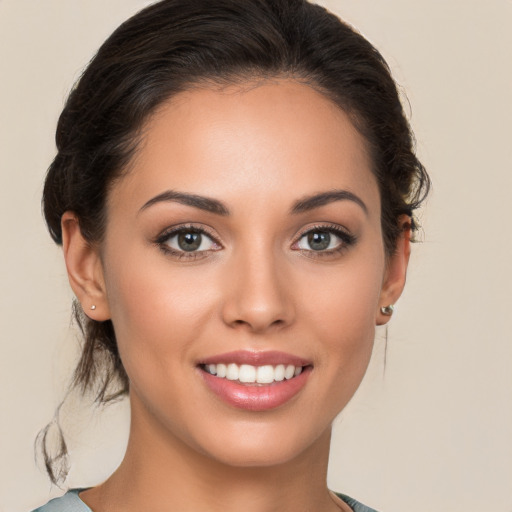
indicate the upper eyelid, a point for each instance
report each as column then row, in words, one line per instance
column 208, row 231
column 173, row 230
column 336, row 228
column 345, row 235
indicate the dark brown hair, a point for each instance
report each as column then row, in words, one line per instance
column 174, row 45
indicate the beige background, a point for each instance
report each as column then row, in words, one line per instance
column 431, row 432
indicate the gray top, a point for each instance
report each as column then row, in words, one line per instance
column 70, row 502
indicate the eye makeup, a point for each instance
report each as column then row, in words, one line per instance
column 188, row 242
column 324, row 241
column 194, row 241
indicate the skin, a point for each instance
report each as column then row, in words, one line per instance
column 259, row 286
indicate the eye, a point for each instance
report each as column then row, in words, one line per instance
column 187, row 242
column 318, row 241
column 325, row 239
column 190, row 241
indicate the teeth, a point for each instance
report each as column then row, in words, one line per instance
column 247, row 373
column 221, row 370
column 279, row 373
column 232, row 372
column 290, row 370
column 265, row 374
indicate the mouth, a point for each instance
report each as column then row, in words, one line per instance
column 255, row 375
column 255, row 381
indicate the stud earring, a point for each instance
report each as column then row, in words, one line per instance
column 93, row 307
column 387, row 310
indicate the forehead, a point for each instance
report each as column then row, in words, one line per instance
column 280, row 137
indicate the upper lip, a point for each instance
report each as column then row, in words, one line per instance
column 256, row 358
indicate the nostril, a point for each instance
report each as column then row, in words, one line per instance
column 254, row 325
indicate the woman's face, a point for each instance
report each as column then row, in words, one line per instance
column 246, row 236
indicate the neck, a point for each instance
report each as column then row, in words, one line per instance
column 161, row 472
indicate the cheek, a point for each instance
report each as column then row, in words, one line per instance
column 156, row 311
column 346, row 298
column 345, row 328
column 341, row 308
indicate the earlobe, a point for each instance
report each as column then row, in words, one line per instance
column 85, row 271
column 396, row 272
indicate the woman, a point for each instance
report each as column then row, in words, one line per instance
column 234, row 192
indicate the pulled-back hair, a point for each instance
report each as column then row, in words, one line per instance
column 175, row 45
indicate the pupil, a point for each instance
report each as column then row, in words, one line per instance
column 319, row 240
column 189, row 241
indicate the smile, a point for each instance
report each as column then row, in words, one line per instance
column 249, row 374
column 255, row 381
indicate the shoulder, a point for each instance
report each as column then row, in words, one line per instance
column 70, row 502
column 355, row 505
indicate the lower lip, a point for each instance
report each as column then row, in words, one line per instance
column 256, row 397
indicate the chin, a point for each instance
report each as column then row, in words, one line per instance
column 253, row 447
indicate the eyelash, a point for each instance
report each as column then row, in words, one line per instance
column 347, row 240
column 162, row 241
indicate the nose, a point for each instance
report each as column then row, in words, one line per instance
column 257, row 292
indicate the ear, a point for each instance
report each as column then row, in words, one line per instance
column 396, row 270
column 85, row 271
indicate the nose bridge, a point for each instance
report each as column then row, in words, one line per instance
column 257, row 295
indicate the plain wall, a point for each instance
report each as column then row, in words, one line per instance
column 431, row 429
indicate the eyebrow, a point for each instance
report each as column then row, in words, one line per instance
column 315, row 201
column 203, row 203
column 214, row 206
